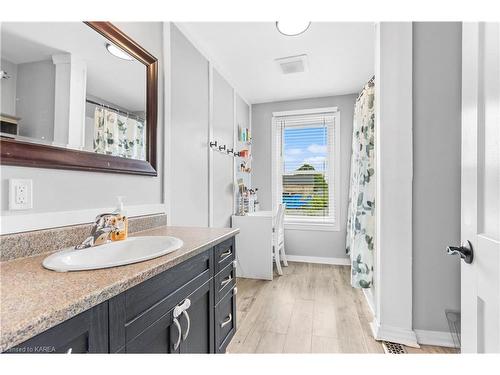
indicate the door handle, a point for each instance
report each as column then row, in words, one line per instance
column 227, row 321
column 179, row 333
column 186, row 334
column 465, row 251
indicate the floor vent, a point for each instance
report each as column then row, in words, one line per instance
column 393, row 348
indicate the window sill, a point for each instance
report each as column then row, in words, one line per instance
column 311, row 225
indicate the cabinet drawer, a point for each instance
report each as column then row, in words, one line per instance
column 224, row 281
column 224, row 254
column 225, row 321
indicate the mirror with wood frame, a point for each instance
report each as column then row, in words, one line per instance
column 77, row 95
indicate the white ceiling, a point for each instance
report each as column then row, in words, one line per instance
column 117, row 81
column 340, row 57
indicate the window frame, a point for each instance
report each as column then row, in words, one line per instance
column 308, row 223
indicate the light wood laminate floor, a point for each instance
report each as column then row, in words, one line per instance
column 310, row 309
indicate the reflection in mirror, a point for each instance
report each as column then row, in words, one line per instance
column 64, row 84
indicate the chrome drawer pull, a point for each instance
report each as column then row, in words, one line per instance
column 227, row 321
column 178, row 326
column 225, row 254
column 182, row 307
column 226, row 281
column 185, row 334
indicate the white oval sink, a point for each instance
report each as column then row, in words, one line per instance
column 118, row 253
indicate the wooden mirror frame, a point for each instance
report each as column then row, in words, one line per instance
column 26, row 154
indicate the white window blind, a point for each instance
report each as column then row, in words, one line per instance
column 306, row 159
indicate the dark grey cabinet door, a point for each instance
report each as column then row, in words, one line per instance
column 200, row 338
column 161, row 337
column 196, row 328
column 144, row 324
column 85, row 333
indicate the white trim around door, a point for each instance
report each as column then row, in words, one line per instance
column 393, row 141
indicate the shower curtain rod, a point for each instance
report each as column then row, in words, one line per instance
column 370, row 81
column 114, row 109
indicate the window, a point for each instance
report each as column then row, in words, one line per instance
column 306, row 167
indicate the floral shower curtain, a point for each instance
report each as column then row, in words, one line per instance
column 361, row 210
column 119, row 135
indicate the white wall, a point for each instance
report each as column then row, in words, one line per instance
column 201, row 189
column 325, row 244
column 437, row 53
column 222, row 167
column 8, row 88
column 35, row 104
column 189, row 133
column 63, row 190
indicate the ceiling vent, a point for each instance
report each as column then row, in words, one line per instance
column 292, row 64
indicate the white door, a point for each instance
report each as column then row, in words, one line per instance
column 480, row 281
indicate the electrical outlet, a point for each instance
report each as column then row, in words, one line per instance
column 20, row 194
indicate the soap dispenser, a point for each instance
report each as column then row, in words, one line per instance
column 121, row 232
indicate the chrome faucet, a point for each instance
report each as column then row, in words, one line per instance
column 104, row 225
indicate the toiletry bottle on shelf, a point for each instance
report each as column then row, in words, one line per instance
column 256, row 205
column 241, row 206
column 121, row 232
column 245, row 202
column 250, row 201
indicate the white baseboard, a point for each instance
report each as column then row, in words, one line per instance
column 394, row 334
column 24, row 222
column 319, row 260
column 369, row 300
column 436, row 338
column 413, row 338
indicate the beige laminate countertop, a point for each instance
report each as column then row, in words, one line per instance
column 34, row 299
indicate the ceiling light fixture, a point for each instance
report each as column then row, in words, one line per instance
column 115, row 51
column 292, row 28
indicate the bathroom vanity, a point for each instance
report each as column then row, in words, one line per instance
column 184, row 302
